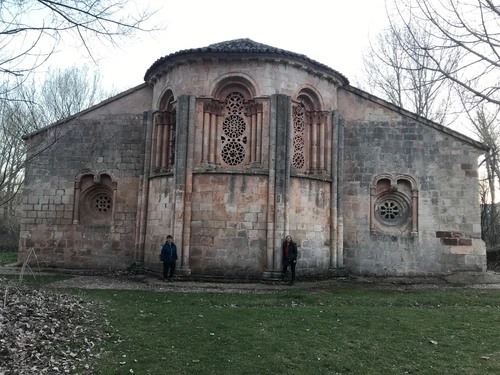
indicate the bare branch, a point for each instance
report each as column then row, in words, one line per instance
column 30, row 29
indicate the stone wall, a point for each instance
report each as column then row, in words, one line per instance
column 159, row 219
column 267, row 78
column 379, row 141
column 237, row 153
column 228, row 224
column 108, row 146
column 309, row 224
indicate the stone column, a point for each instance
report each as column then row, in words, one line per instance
column 76, row 204
column 165, row 149
column 340, row 200
column 414, row 211
column 373, row 195
column 183, row 175
column 159, row 144
column 142, row 204
column 258, row 132
column 313, row 141
column 279, row 182
column 333, row 191
column 212, row 155
column 152, row 141
column 205, row 137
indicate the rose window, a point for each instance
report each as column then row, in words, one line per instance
column 233, row 153
column 392, row 208
column 233, row 126
column 389, row 210
column 102, row 203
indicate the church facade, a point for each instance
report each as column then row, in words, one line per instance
column 231, row 147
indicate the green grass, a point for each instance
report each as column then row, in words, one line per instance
column 8, row 257
column 349, row 330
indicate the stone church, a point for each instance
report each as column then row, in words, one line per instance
column 231, row 147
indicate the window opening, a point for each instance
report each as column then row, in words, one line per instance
column 234, row 127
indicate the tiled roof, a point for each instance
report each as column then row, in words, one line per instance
column 241, row 46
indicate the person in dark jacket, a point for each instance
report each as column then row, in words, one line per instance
column 289, row 250
column 168, row 256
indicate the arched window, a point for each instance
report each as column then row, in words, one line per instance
column 234, row 129
column 163, row 138
column 232, row 126
column 95, row 196
column 310, row 134
column 394, row 205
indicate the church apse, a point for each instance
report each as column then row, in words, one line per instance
column 241, row 144
column 230, row 183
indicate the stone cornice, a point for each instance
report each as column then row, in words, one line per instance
column 242, row 50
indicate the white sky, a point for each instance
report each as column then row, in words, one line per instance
column 333, row 32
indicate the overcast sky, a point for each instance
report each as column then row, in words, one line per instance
column 334, row 32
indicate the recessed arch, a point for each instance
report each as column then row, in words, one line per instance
column 394, row 179
column 228, row 83
column 95, row 197
column 310, row 98
column 394, row 204
column 163, row 134
column 166, row 100
column 310, row 126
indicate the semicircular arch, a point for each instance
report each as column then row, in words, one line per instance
column 227, row 83
column 310, row 98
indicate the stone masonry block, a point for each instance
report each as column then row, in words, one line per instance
column 444, row 234
column 465, row 242
column 449, row 241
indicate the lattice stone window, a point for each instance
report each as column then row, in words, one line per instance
column 298, row 159
column 235, row 103
column 233, row 127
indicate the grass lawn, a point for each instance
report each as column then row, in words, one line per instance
column 347, row 330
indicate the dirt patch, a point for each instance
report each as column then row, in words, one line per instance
column 130, row 281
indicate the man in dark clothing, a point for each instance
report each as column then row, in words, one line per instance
column 289, row 257
column 168, row 256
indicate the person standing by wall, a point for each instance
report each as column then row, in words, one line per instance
column 289, row 250
column 168, row 256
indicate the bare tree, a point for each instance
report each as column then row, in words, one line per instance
column 486, row 128
column 469, row 29
column 69, row 91
column 395, row 71
column 63, row 93
column 32, row 30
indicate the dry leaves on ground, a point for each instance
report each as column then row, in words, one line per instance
column 44, row 332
